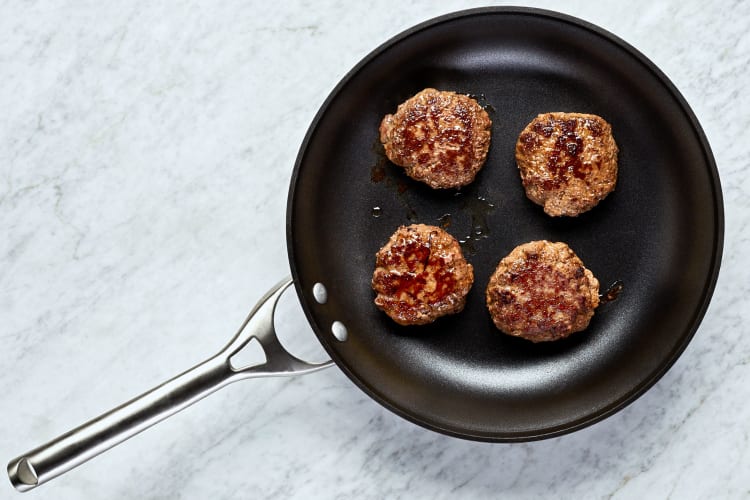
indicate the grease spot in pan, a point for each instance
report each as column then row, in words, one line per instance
column 482, row 101
column 612, row 292
column 478, row 208
column 445, row 221
column 395, row 180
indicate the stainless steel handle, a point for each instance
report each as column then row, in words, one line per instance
column 98, row 435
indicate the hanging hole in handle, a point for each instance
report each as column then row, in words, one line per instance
column 294, row 332
column 250, row 355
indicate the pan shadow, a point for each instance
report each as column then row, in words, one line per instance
column 562, row 467
column 320, row 426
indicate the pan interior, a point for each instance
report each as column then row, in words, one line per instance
column 660, row 232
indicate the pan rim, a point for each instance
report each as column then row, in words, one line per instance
column 691, row 326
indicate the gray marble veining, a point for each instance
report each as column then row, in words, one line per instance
column 145, row 154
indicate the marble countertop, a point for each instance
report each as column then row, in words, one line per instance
column 145, row 155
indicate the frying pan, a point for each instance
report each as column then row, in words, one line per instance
column 660, row 234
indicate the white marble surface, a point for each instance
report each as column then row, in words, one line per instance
column 145, row 154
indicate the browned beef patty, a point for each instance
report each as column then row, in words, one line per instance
column 568, row 162
column 541, row 291
column 421, row 275
column 440, row 138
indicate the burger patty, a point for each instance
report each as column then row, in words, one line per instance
column 440, row 138
column 421, row 275
column 541, row 291
column 567, row 161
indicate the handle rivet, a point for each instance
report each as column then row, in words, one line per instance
column 339, row 331
column 320, row 293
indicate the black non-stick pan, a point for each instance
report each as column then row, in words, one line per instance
column 660, row 234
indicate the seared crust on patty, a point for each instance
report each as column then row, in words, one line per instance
column 541, row 291
column 567, row 161
column 440, row 138
column 421, row 275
